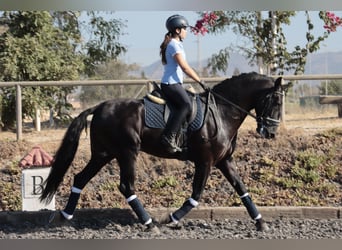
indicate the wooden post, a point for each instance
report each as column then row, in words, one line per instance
column 332, row 100
column 19, row 114
column 282, row 117
column 37, row 119
column 339, row 110
column 51, row 120
column 149, row 87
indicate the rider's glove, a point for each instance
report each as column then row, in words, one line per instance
column 204, row 86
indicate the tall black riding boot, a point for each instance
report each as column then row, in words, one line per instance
column 169, row 141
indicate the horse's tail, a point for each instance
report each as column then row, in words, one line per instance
column 65, row 155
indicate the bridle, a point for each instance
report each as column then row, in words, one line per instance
column 265, row 123
column 265, row 110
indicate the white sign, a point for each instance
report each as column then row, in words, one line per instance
column 32, row 186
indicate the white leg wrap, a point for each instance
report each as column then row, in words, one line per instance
column 173, row 219
column 258, row 217
column 67, row 216
column 76, row 190
column 244, row 195
column 132, row 197
column 148, row 222
column 193, row 202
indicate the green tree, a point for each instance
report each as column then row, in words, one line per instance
column 263, row 41
column 103, row 44
column 218, row 62
column 43, row 46
column 33, row 49
column 333, row 87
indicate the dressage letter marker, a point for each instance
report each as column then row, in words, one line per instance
column 32, row 185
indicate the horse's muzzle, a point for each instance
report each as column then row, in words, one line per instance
column 267, row 127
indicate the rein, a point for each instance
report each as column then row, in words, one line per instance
column 233, row 104
column 274, row 121
column 227, row 101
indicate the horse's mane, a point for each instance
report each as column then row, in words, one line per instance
column 233, row 86
column 244, row 78
column 242, row 81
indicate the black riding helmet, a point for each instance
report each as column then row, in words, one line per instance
column 176, row 21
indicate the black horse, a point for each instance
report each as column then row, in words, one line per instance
column 118, row 130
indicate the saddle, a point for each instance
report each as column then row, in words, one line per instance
column 157, row 110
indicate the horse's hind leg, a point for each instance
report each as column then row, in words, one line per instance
column 228, row 169
column 80, row 181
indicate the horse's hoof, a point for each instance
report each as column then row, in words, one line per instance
column 152, row 229
column 175, row 226
column 261, row 226
column 165, row 219
column 56, row 218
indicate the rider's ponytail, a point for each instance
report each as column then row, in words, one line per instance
column 167, row 39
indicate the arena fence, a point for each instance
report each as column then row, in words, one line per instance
column 146, row 83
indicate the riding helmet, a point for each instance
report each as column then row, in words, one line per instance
column 176, row 21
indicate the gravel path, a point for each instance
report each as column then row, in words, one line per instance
column 190, row 229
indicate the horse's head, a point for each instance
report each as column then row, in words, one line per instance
column 268, row 110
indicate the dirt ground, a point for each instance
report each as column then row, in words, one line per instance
column 302, row 166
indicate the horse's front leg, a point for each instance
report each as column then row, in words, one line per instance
column 127, row 163
column 198, row 184
column 228, row 169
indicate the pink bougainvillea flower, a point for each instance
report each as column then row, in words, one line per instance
column 332, row 22
column 208, row 20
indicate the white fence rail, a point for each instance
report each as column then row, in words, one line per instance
column 19, row 86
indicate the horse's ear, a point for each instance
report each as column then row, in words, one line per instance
column 280, row 84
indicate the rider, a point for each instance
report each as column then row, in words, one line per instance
column 175, row 64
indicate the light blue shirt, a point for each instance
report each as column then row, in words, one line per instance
column 173, row 73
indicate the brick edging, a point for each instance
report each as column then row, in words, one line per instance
column 207, row 213
column 212, row 213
